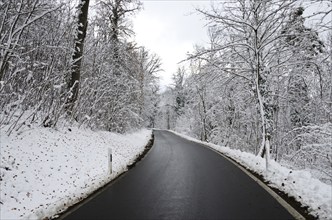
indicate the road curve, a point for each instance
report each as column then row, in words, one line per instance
column 179, row 179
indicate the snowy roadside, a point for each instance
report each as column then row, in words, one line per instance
column 299, row 184
column 43, row 171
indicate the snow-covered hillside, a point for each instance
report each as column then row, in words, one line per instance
column 43, row 171
column 299, row 184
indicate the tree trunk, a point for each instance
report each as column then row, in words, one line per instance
column 78, row 52
column 265, row 146
column 115, row 37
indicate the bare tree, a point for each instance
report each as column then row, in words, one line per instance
column 116, row 12
column 15, row 19
column 252, row 28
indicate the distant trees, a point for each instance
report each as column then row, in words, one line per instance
column 148, row 98
column 178, row 80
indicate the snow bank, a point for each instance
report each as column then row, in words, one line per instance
column 43, row 171
column 299, row 184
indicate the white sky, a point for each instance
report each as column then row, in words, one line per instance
column 170, row 28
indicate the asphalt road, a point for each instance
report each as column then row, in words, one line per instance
column 179, row 179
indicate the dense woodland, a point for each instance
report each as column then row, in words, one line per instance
column 263, row 85
column 56, row 62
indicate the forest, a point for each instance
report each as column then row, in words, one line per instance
column 263, row 85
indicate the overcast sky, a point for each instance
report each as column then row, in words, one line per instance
column 170, row 28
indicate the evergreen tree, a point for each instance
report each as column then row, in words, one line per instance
column 305, row 46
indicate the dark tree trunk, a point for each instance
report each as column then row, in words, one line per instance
column 78, row 52
column 115, row 36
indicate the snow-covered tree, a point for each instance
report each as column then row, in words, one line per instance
column 178, row 91
column 74, row 79
column 249, row 29
column 35, row 47
column 110, row 82
column 268, row 70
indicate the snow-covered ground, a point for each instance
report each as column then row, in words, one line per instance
column 43, row 171
column 299, row 184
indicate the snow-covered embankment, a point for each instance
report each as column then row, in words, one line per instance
column 43, row 171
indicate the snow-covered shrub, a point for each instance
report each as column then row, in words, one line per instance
column 310, row 147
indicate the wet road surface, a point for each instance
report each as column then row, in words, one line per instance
column 179, row 179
